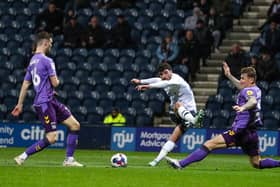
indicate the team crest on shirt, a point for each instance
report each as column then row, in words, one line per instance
column 249, row 92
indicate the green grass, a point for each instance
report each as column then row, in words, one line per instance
column 45, row 170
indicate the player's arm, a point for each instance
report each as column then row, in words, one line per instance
column 250, row 104
column 54, row 81
column 18, row 108
column 228, row 74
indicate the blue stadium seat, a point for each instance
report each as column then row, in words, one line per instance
column 72, row 103
column 112, row 52
column 181, row 70
column 155, row 6
column 128, row 52
column 80, row 52
column 207, row 120
column 90, row 102
column 80, row 113
column 214, row 102
column 267, row 102
column 102, row 88
column 138, row 105
column 144, row 121
column 220, row 119
column 263, row 85
column 271, row 120
column 170, row 6
column 109, row 60
column 94, row 119
column 276, row 104
column 141, row 5
column 29, row 117
column 229, row 102
column 225, row 91
column 156, row 106
column 122, row 104
column 65, row 51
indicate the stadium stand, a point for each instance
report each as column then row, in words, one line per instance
column 89, row 75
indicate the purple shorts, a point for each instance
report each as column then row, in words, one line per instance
column 51, row 113
column 247, row 139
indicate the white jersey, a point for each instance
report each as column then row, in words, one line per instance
column 176, row 88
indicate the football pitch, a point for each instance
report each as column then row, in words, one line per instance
column 45, row 170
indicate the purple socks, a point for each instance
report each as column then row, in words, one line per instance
column 269, row 163
column 38, row 146
column 72, row 141
column 195, row 156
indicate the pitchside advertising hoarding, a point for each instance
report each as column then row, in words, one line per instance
column 22, row 135
column 152, row 139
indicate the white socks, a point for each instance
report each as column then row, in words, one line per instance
column 23, row 156
column 70, row 158
column 185, row 114
column 166, row 148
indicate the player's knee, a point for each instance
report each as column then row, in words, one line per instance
column 75, row 126
column 52, row 137
column 177, row 105
column 209, row 145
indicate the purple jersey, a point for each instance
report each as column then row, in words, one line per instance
column 39, row 71
column 248, row 117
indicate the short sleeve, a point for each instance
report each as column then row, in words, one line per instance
column 248, row 93
column 28, row 76
column 51, row 68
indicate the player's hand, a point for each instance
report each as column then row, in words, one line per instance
column 142, row 87
column 226, row 69
column 17, row 110
column 238, row 108
column 135, row 81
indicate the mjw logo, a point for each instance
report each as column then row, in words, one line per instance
column 122, row 138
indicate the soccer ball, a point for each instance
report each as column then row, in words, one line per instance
column 119, row 160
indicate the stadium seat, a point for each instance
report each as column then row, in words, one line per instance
column 138, row 105
column 267, row 102
column 214, row 102
column 80, row 52
column 156, row 106
column 122, row 104
column 220, row 119
column 229, row 102
column 94, row 119
column 271, row 120
column 102, row 88
column 144, row 121
column 263, row 85
column 181, row 70
column 72, row 103
column 29, row 117
column 207, row 120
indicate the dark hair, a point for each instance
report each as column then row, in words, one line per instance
column 39, row 37
column 115, row 109
column 164, row 66
column 250, row 71
column 42, row 36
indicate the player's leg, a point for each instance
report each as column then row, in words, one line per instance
column 188, row 116
column 200, row 153
column 46, row 114
column 259, row 163
column 72, row 141
column 265, row 163
column 168, row 146
column 65, row 117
